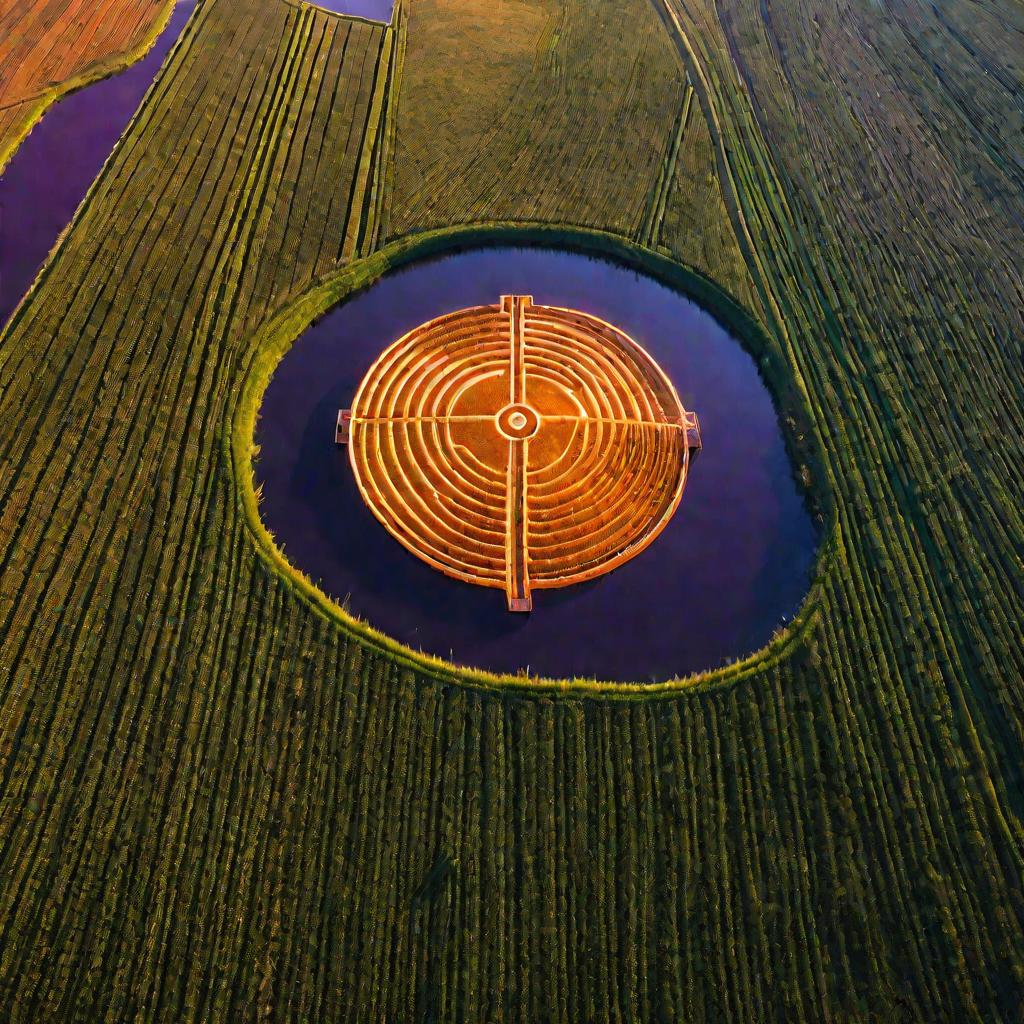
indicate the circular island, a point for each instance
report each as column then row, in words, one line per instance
column 718, row 580
column 519, row 446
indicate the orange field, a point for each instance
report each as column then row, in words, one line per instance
column 49, row 47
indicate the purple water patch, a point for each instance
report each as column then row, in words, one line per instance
column 731, row 565
column 374, row 10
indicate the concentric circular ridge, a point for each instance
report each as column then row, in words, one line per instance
column 520, row 446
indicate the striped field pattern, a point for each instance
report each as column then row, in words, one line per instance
column 217, row 803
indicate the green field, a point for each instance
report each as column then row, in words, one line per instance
column 221, row 800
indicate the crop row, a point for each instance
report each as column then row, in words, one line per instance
column 914, row 630
column 119, row 551
column 217, row 803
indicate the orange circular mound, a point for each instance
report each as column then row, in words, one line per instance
column 520, row 446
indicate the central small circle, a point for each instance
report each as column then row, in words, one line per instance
column 518, row 422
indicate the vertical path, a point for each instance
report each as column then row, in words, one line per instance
column 517, row 583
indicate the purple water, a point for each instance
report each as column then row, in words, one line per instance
column 712, row 587
column 51, row 171
column 375, row 10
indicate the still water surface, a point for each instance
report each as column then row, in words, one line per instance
column 713, row 587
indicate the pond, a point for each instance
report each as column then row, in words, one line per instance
column 730, row 567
